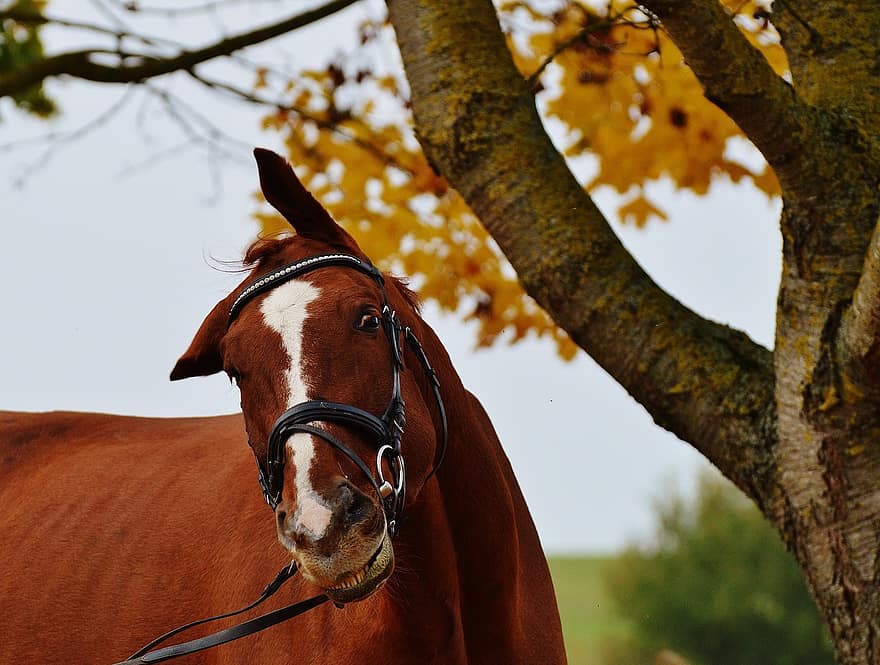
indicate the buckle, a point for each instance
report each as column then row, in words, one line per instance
column 272, row 500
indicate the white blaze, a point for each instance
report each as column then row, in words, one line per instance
column 285, row 311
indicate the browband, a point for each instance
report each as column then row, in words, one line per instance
column 293, row 270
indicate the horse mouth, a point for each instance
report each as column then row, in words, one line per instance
column 367, row 580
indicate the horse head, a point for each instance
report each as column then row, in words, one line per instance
column 319, row 342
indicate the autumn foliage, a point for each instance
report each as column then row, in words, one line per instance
column 20, row 45
column 614, row 87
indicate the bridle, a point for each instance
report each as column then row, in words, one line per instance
column 386, row 429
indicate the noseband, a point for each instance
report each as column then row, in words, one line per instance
column 386, row 430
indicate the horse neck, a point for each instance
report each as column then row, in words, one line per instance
column 475, row 498
column 470, row 584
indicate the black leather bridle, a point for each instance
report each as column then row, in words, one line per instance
column 386, row 429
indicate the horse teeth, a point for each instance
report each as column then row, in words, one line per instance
column 354, row 579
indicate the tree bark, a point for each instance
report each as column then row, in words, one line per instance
column 796, row 429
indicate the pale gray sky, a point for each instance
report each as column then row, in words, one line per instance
column 106, row 277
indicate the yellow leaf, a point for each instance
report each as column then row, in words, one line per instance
column 639, row 210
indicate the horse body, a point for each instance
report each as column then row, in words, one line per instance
column 116, row 529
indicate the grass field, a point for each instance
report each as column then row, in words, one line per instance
column 588, row 620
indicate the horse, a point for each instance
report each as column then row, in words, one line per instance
column 386, row 484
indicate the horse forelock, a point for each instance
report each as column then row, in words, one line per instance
column 265, row 248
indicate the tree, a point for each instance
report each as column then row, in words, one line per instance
column 794, row 428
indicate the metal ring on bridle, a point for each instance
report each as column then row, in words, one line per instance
column 385, row 487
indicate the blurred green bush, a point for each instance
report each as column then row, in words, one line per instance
column 716, row 585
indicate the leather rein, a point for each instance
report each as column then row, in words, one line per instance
column 386, row 429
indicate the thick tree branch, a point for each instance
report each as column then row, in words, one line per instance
column 738, row 79
column 81, row 64
column 477, row 122
column 859, row 335
column 833, row 62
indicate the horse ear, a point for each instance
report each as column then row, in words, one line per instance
column 287, row 195
column 203, row 358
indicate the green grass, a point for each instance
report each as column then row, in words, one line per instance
column 588, row 620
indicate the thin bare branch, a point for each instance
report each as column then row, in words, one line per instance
column 135, row 7
column 30, row 18
column 55, row 140
column 81, row 64
column 108, row 13
column 322, row 123
column 156, row 158
column 581, row 36
column 184, row 114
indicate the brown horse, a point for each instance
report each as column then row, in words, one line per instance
column 115, row 529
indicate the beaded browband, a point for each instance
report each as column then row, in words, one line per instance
column 293, row 270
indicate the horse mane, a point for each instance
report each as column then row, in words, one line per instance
column 266, row 250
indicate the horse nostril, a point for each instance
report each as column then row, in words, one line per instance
column 354, row 503
column 288, row 529
column 359, row 508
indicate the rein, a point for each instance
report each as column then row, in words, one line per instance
column 144, row 655
column 387, row 429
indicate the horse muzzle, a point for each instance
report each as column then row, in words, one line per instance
column 342, row 546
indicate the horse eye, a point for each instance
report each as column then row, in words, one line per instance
column 369, row 323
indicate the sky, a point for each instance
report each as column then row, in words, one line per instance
column 111, row 246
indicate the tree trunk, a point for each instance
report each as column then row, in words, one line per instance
column 797, row 428
column 826, row 389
